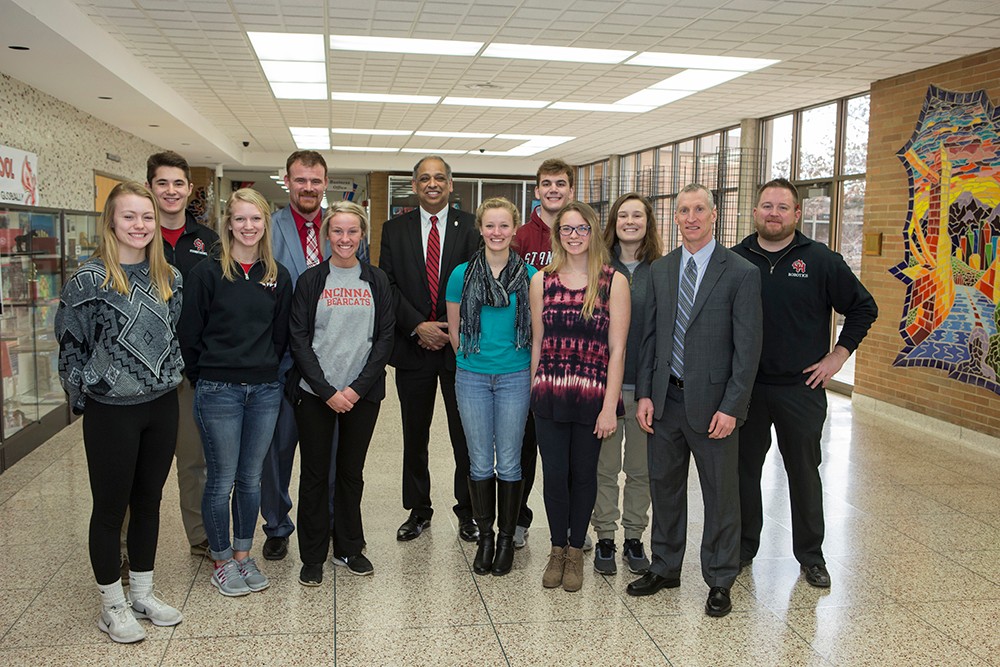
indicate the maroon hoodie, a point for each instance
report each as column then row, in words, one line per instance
column 534, row 242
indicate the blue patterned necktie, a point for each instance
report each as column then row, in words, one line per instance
column 685, row 302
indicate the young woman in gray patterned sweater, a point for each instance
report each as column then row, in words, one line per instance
column 120, row 364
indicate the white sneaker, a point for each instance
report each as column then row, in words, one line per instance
column 156, row 610
column 120, row 624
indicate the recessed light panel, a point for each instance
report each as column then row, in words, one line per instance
column 655, row 98
column 433, row 151
column 365, row 149
column 693, row 61
column 453, row 135
column 696, row 79
column 494, row 102
column 290, row 71
column 436, row 47
column 384, row 99
column 288, row 46
column 381, row 133
column 556, row 53
column 299, row 91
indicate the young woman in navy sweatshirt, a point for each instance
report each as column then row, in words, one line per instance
column 234, row 330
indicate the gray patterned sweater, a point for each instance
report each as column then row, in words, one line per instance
column 117, row 349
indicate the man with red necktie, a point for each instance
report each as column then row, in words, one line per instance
column 419, row 250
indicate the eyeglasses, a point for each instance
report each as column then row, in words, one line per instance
column 567, row 230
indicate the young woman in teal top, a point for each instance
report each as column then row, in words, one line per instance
column 489, row 321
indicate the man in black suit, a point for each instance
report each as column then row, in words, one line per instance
column 419, row 251
column 696, row 367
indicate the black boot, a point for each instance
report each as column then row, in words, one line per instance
column 508, row 507
column 484, row 502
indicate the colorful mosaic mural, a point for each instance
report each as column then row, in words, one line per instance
column 950, row 265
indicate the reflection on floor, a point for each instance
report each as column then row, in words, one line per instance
column 913, row 547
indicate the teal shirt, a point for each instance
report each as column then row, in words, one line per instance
column 497, row 353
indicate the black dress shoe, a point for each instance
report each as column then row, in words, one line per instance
column 468, row 530
column 816, row 575
column 412, row 527
column 275, row 548
column 650, row 583
column 718, row 603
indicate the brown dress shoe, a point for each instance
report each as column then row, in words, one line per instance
column 553, row 574
column 572, row 580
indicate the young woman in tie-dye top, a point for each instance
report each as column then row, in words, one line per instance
column 580, row 318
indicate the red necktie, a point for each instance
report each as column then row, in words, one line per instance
column 433, row 259
column 312, row 245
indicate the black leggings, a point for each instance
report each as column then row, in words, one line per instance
column 569, row 452
column 130, row 449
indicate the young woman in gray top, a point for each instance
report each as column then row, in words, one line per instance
column 341, row 335
column 634, row 239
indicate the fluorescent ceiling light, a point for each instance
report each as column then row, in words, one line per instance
column 291, row 71
column 696, row 79
column 569, row 54
column 454, row 135
column 492, row 102
column 381, row 133
column 299, row 91
column 532, row 144
column 692, row 61
column 288, row 46
column 387, row 99
column 655, row 98
column 585, row 106
column 365, row 149
column 433, row 151
column 310, row 131
column 435, row 47
column 314, row 142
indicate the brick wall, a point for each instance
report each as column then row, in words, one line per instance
column 895, row 107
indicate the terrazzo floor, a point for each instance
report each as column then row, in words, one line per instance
column 913, row 547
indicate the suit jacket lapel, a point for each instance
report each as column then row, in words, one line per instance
column 451, row 240
column 673, row 267
column 290, row 233
column 716, row 265
column 415, row 246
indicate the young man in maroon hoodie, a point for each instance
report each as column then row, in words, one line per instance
column 553, row 189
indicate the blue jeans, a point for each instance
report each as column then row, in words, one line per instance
column 494, row 409
column 236, row 422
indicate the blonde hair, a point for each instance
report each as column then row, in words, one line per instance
column 501, row 203
column 597, row 253
column 264, row 252
column 343, row 206
column 161, row 276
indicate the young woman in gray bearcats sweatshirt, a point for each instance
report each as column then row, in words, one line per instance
column 120, row 364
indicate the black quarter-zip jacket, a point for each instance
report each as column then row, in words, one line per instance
column 234, row 331
column 798, row 292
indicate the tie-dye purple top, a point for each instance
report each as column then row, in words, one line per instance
column 572, row 370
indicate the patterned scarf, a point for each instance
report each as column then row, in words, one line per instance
column 482, row 289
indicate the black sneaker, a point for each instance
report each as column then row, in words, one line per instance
column 604, row 557
column 311, row 575
column 358, row 565
column 633, row 554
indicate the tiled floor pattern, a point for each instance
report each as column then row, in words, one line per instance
column 913, row 544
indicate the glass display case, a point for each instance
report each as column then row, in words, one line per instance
column 38, row 248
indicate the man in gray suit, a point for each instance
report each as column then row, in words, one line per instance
column 696, row 369
column 297, row 246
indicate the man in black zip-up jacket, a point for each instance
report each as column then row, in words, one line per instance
column 186, row 242
column 802, row 282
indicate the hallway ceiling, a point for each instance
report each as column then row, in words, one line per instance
column 188, row 68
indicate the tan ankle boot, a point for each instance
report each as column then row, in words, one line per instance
column 572, row 579
column 553, row 574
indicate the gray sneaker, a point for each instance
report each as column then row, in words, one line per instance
column 604, row 557
column 632, row 554
column 254, row 578
column 520, row 537
column 229, row 581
